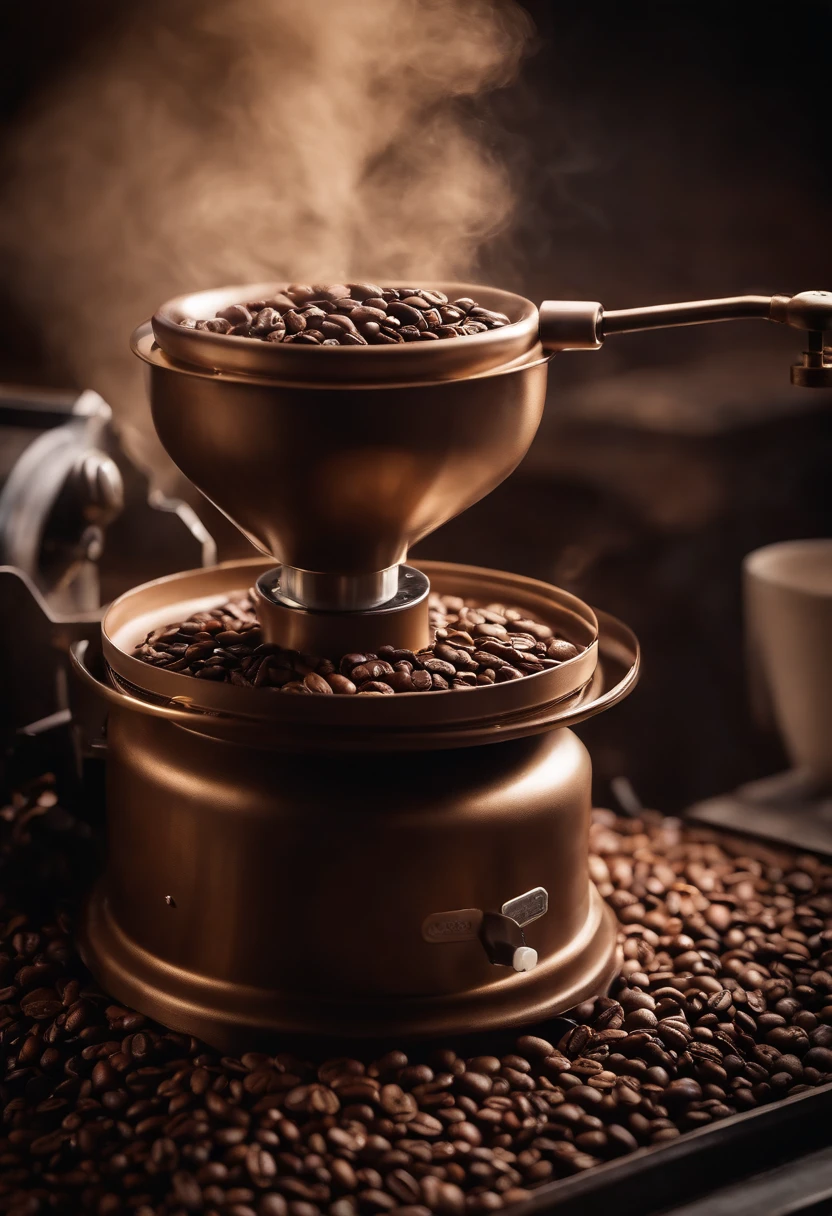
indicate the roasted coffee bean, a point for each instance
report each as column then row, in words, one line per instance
column 235, row 314
column 218, row 325
column 361, row 315
column 561, row 650
column 267, row 319
column 317, row 684
column 400, row 1106
column 214, row 651
column 340, row 684
column 93, row 1091
column 304, row 315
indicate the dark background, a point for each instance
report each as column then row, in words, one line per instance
column 661, row 151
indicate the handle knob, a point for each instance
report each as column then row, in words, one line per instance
column 504, row 942
column 807, row 310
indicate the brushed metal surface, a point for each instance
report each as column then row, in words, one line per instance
column 403, row 622
column 337, row 592
column 316, row 877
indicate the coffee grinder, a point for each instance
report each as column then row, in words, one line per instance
column 360, row 866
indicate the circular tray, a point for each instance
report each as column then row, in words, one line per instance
column 559, row 696
column 413, row 361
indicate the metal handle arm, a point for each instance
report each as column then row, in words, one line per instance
column 695, row 312
column 584, row 324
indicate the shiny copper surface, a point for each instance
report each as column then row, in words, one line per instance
column 414, row 362
column 341, row 478
column 299, row 887
column 404, row 721
column 299, row 883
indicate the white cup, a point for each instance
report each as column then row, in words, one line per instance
column 788, row 610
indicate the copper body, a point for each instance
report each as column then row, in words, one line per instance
column 339, row 465
column 252, row 886
column 273, row 860
column 404, row 722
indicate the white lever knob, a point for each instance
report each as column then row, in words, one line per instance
column 525, row 959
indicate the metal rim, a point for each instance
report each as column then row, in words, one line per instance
column 369, row 722
column 132, row 615
column 412, row 362
column 144, row 344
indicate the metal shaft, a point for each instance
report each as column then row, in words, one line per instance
column 584, row 324
column 695, row 312
column 337, row 592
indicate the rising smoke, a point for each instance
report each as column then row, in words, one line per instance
column 248, row 139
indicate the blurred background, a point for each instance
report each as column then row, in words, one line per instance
column 631, row 154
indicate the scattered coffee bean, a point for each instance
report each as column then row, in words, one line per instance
column 106, row 1111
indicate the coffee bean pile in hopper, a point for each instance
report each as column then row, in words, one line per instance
column 352, row 314
column 472, row 646
column 723, row 1004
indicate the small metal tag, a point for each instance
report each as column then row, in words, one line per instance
column 462, row 925
column 526, row 908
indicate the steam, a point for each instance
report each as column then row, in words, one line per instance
column 246, row 140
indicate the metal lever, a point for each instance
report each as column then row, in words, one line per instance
column 505, row 943
column 583, row 324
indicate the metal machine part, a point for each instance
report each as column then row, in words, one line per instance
column 334, row 461
column 497, row 932
column 400, row 620
column 402, row 723
column 59, row 490
column 528, row 907
column 584, row 324
column 505, row 943
column 67, row 488
column 388, row 809
column 382, row 464
column 335, row 592
column 385, row 432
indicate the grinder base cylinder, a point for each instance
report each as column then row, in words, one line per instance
column 250, row 891
column 326, row 865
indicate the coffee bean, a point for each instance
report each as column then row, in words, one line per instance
column 218, row 325
column 340, row 684
column 305, row 315
column 267, row 319
column 395, row 1102
column 235, row 314
column 534, row 1048
column 238, row 656
column 318, row 684
column 676, row 1047
column 360, row 316
column 575, row 1041
column 561, row 650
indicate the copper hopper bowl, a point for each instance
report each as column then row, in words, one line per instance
column 339, row 459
